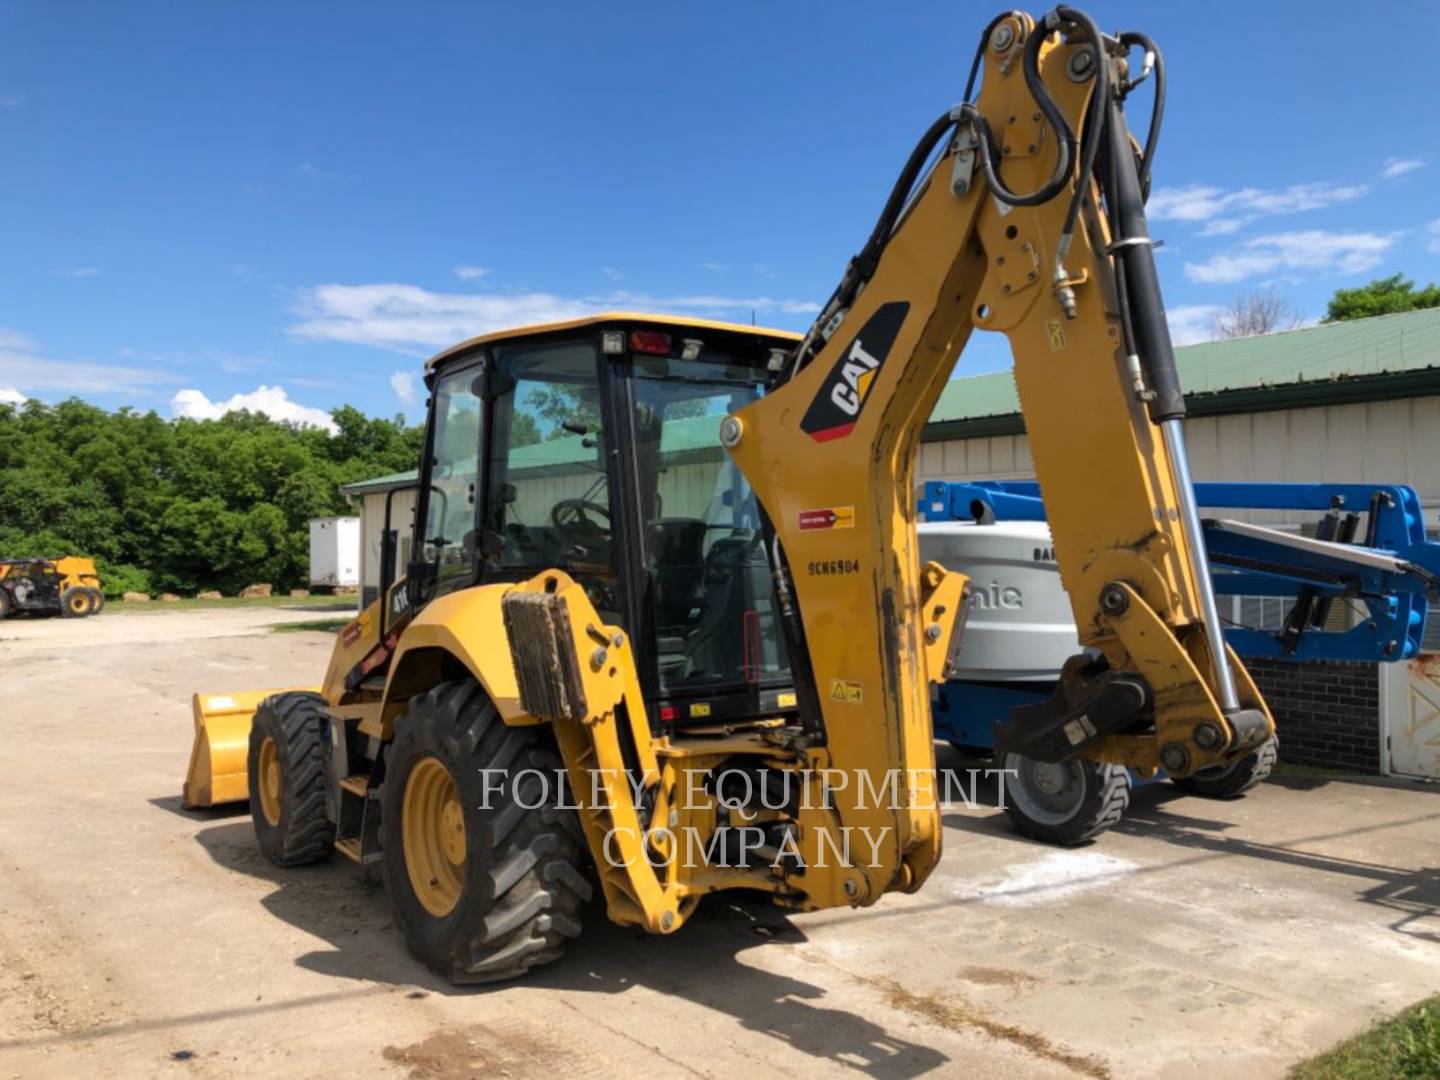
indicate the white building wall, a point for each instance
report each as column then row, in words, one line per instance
column 1395, row 442
column 372, row 524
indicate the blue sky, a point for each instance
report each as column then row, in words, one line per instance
column 292, row 204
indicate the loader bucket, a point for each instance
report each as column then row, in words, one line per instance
column 217, row 772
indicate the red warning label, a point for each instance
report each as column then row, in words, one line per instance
column 829, row 517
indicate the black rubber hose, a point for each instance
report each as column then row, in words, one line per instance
column 1097, row 114
column 1157, row 112
column 1064, row 136
column 862, row 266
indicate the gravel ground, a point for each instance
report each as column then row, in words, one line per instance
column 1199, row 939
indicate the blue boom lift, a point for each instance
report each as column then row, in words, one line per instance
column 1369, row 554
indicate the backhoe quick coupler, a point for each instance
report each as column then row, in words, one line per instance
column 1090, row 702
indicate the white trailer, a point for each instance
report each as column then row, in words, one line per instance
column 335, row 551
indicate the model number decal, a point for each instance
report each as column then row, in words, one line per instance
column 828, row 567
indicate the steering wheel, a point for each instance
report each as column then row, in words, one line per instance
column 571, row 516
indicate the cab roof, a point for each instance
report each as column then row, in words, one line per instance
column 678, row 321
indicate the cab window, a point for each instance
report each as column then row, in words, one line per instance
column 548, row 502
column 447, row 541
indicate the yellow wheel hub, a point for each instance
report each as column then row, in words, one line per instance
column 433, row 826
column 268, row 775
column 79, row 604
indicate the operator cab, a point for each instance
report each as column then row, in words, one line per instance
column 593, row 446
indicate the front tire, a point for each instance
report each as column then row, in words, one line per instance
column 76, row 603
column 286, row 767
column 483, row 887
column 1066, row 803
column 1231, row 781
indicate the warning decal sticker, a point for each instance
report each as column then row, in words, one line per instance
column 828, row 517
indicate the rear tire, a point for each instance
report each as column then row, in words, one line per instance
column 7, row 606
column 1065, row 804
column 512, row 901
column 76, row 603
column 1231, row 781
column 286, row 768
column 97, row 600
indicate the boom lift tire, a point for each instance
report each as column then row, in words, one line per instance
column 97, row 600
column 76, row 602
column 6, row 606
column 483, row 887
column 286, row 766
column 1228, row 781
column 1065, row 804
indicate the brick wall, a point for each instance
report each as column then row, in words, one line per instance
column 1327, row 713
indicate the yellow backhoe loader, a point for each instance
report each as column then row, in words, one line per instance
column 673, row 564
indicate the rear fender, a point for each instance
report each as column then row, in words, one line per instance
column 462, row 631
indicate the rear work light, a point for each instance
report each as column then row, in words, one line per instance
column 650, row 341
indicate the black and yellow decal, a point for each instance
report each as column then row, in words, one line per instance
column 833, row 412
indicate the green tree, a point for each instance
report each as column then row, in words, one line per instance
column 1383, row 296
column 182, row 505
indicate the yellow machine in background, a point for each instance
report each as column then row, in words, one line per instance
column 68, row 586
column 665, row 627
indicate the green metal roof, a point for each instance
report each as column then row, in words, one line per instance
column 1328, row 353
column 1358, row 360
column 382, row 484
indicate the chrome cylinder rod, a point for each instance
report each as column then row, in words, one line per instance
column 1173, row 432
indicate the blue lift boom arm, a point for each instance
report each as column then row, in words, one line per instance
column 1391, row 568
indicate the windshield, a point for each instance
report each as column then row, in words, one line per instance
column 708, row 575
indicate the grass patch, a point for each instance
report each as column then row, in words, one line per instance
column 1283, row 768
column 328, row 626
column 160, row 607
column 1407, row 1045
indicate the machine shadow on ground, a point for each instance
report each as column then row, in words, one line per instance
column 1159, row 813
column 1164, row 812
column 348, row 909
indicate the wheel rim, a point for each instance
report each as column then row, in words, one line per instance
column 1044, row 792
column 433, row 828
column 268, row 778
column 79, row 604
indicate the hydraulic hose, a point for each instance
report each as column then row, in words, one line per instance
column 1129, row 39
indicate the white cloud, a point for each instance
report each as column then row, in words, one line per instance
column 403, row 383
column 1432, row 231
column 270, row 400
column 1191, row 323
column 14, row 341
column 22, row 366
column 1220, row 211
column 1400, row 166
column 10, row 396
column 78, row 272
column 611, row 273
column 409, row 319
column 470, row 273
column 1314, row 250
column 715, row 267
column 11, row 101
